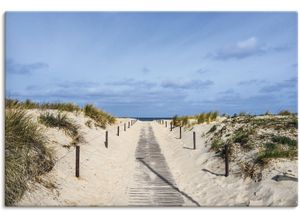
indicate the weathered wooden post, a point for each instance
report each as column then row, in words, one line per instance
column 124, row 126
column 194, row 139
column 118, row 131
column 106, row 139
column 180, row 132
column 166, row 124
column 77, row 161
column 171, row 126
column 226, row 161
column 129, row 124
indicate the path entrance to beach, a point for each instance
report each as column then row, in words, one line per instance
column 153, row 184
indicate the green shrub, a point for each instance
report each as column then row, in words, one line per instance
column 26, row 156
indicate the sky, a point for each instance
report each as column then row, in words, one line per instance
column 154, row 64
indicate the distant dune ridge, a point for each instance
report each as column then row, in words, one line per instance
column 262, row 157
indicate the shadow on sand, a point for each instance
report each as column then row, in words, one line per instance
column 189, row 148
column 217, row 174
column 167, row 182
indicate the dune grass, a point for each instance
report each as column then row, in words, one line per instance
column 206, row 117
column 200, row 118
column 280, row 147
column 26, row 156
column 28, row 104
column 265, row 139
column 285, row 112
column 89, row 123
column 60, row 121
column 101, row 118
column 69, row 107
column 273, row 151
column 180, row 121
column 212, row 129
column 284, row 140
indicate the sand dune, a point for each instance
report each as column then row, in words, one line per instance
column 107, row 174
column 200, row 174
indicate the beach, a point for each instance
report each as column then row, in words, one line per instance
column 148, row 163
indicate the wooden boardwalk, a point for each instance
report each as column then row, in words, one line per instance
column 153, row 181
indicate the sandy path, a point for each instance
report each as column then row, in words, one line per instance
column 153, row 183
column 105, row 173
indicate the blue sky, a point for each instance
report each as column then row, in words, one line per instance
column 155, row 64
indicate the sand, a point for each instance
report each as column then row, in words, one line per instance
column 106, row 174
column 200, row 174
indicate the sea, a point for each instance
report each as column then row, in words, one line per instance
column 153, row 119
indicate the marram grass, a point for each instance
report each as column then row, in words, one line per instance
column 26, row 155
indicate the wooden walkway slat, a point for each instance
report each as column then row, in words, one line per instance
column 153, row 182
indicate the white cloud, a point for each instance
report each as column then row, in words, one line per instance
column 247, row 44
column 245, row 48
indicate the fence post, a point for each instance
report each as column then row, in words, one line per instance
column 77, row 161
column 226, row 161
column 129, row 124
column 106, row 139
column 194, row 139
column 180, row 132
column 166, row 124
column 118, row 131
column 124, row 126
column 171, row 126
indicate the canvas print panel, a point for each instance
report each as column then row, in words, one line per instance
column 156, row 109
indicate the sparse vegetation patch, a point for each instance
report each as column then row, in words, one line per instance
column 265, row 139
